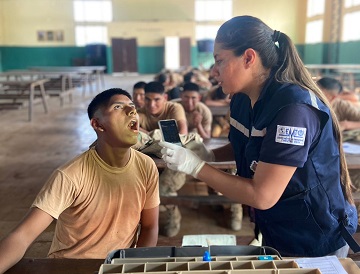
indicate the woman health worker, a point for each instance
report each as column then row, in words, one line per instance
column 285, row 140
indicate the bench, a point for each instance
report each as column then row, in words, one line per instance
column 26, row 92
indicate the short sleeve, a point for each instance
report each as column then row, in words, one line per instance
column 56, row 195
column 177, row 112
column 291, row 135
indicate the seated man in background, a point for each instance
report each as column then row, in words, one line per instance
column 100, row 197
column 198, row 115
column 139, row 94
column 196, row 76
column 171, row 82
column 158, row 108
column 347, row 113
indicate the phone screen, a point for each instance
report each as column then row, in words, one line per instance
column 170, row 131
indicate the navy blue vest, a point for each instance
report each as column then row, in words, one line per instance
column 306, row 220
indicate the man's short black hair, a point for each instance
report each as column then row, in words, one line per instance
column 103, row 98
column 140, row 84
column 154, row 87
column 188, row 77
column 191, row 87
column 331, row 84
column 162, row 78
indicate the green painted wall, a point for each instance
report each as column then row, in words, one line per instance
column 331, row 53
column 349, row 52
column 24, row 57
column 151, row 59
column 194, row 56
column 313, row 53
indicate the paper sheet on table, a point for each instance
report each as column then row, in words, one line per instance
column 350, row 148
column 327, row 264
column 213, row 239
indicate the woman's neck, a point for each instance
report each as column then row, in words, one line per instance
column 260, row 79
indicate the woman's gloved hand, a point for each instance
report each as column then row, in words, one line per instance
column 181, row 159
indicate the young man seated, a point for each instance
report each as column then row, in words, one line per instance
column 347, row 113
column 198, row 115
column 157, row 107
column 100, row 197
column 139, row 94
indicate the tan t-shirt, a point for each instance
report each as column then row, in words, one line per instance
column 206, row 114
column 97, row 206
column 172, row 110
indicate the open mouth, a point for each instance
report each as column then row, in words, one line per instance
column 133, row 125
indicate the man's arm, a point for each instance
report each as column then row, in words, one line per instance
column 14, row 245
column 149, row 227
column 198, row 123
column 182, row 126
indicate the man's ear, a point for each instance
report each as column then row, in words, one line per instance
column 166, row 96
column 94, row 122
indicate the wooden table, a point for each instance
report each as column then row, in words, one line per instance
column 88, row 71
column 25, row 90
column 219, row 110
column 60, row 83
column 353, row 161
column 56, row 266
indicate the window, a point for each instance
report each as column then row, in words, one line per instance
column 206, row 31
column 90, row 34
column 351, row 3
column 315, row 7
column 314, row 32
column 350, row 31
column 91, row 17
column 315, row 24
column 92, row 11
column 213, row 10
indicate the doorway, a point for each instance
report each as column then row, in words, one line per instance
column 124, row 55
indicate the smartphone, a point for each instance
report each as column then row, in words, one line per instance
column 169, row 131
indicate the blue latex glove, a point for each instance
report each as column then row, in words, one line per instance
column 181, row 159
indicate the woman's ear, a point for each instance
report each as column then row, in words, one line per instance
column 94, row 122
column 249, row 56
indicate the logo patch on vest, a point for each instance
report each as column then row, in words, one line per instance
column 290, row 135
